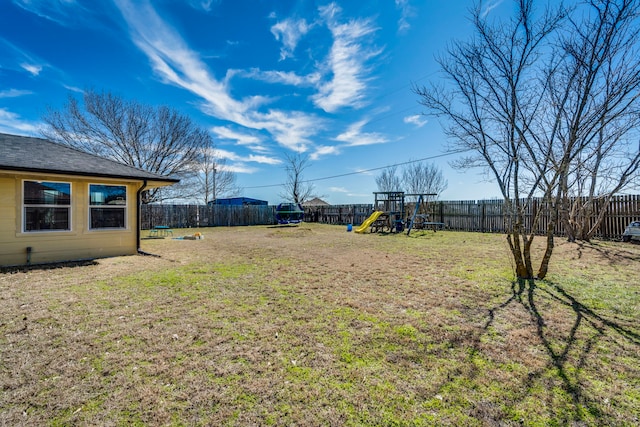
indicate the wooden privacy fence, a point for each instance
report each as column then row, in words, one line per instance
column 465, row 215
column 487, row 215
column 193, row 216
column 338, row 214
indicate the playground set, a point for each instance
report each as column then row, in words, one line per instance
column 389, row 211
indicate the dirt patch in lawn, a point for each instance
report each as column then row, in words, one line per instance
column 312, row 325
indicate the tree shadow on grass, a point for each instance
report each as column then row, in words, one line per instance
column 612, row 255
column 531, row 295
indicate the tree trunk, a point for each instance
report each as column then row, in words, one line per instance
column 544, row 264
column 521, row 253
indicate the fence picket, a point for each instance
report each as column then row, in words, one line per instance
column 461, row 215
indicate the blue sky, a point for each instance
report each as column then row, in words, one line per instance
column 266, row 77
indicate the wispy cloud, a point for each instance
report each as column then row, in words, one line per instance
column 33, row 69
column 338, row 190
column 324, row 150
column 175, row 63
column 489, row 6
column 417, row 120
column 354, row 136
column 12, row 123
column 14, row 93
column 230, row 155
column 20, row 58
column 406, row 12
column 66, row 13
column 252, row 142
column 346, row 62
column 206, row 5
column 282, row 77
column 291, row 129
column 73, row 88
column 366, row 172
column 240, row 138
column 289, row 32
column 241, row 168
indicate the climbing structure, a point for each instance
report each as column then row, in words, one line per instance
column 420, row 218
column 391, row 204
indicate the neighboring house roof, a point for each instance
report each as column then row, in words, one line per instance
column 316, row 202
column 28, row 154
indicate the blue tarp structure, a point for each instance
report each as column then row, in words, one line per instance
column 238, row 201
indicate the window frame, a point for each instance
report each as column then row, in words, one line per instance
column 25, row 206
column 124, row 207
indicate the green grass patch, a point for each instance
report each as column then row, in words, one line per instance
column 252, row 326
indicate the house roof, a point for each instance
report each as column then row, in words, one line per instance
column 316, row 201
column 28, row 154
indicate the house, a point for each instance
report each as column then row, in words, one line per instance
column 60, row 204
column 316, row 201
column 239, row 201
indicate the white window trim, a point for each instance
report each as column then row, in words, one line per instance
column 125, row 207
column 24, row 206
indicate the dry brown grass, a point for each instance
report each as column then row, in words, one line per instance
column 312, row 325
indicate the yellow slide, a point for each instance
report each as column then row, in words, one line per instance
column 363, row 227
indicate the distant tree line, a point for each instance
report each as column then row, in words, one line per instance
column 415, row 177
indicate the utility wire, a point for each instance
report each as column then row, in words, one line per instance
column 367, row 170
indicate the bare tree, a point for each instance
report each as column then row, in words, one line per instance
column 548, row 107
column 155, row 139
column 423, row 178
column 593, row 112
column 296, row 189
column 489, row 109
column 388, row 180
column 213, row 179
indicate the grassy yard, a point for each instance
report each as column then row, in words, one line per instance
column 311, row 325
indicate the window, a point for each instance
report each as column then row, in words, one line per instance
column 108, row 206
column 47, row 206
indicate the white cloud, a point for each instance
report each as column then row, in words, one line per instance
column 66, row 13
column 406, row 12
column 73, row 88
column 338, row 189
column 25, row 60
column 324, row 150
column 240, row 138
column 229, row 155
column 205, row 5
column 291, row 129
column 417, row 120
column 489, row 6
column 241, row 168
column 354, row 136
column 12, row 123
column 345, row 63
column 289, row 31
column 14, row 93
column 364, row 172
column 34, row 69
column 175, row 63
column 282, row 77
column 267, row 160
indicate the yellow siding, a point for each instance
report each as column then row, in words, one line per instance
column 77, row 244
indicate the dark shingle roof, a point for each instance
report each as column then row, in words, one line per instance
column 23, row 153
